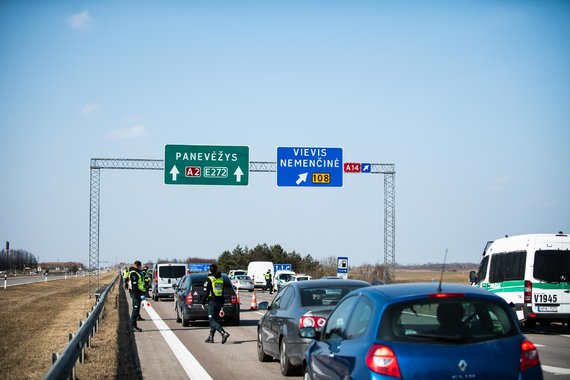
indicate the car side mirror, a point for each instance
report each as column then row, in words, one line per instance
column 473, row 277
column 263, row 305
column 309, row 333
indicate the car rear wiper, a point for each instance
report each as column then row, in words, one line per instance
column 456, row 338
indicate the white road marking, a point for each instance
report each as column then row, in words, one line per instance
column 556, row 370
column 192, row 367
column 539, row 345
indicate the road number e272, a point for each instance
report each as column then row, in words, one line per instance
column 545, row 298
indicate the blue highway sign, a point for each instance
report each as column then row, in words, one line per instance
column 316, row 167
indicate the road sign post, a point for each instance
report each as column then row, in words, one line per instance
column 342, row 267
column 309, row 167
column 206, row 165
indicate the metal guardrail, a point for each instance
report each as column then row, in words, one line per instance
column 63, row 365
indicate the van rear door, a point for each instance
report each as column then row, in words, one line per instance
column 551, row 292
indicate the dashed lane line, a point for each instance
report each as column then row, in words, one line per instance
column 555, row 370
column 191, row 366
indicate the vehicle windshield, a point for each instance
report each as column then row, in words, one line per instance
column 447, row 320
column 243, row 278
column 284, row 276
column 552, row 265
column 172, row 271
column 324, row 296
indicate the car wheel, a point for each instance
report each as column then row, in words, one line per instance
column 178, row 319
column 306, row 375
column 530, row 323
column 261, row 355
column 286, row 367
column 185, row 322
column 235, row 321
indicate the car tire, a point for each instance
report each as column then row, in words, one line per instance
column 306, row 374
column 236, row 320
column 185, row 322
column 178, row 319
column 285, row 365
column 529, row 323
column 261, row 355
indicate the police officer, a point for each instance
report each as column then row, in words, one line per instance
column 268, row 284
column 214, row 295
column 137, row 291
column 126, row 278
column 146, row 279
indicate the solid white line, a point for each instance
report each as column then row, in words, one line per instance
column 192, row 367
column 556, row 370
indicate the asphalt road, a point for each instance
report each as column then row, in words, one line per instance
column 164, row 345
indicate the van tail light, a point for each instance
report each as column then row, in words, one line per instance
column 233, row 299
column 309, row 320
column 156, row 275
column 189, row 300
column 529, row 355
column 527, row 291
column 381, row 359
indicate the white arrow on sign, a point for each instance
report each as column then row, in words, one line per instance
column 302, row 178
column 365, row 169
column 174, row 171
column 238, row 173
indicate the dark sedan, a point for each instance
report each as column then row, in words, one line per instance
column 298, row 304
column 190, row 293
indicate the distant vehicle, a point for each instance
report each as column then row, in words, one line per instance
column 257, row 269
column 242, row 282
column 237, row 272
column 300, row 277
column 299, row 304
column 281, row 278
column 190, row 293
column 414, row 331
column 532, row 273
column 164, row 276
column 331, row 278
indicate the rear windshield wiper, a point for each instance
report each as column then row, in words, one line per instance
column 456, row 338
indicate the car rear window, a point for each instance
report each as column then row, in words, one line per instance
column 324, row 296
column 447, row 320
column 172, row 271
column 552, row 265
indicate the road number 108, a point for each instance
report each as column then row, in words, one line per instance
column 321, row 178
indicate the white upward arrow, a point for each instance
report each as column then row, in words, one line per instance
column 174, row 171
column 238, row 173
column 302, row 178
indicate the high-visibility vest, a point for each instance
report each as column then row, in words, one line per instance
column 267, row 276
column 217, row 286
column 140, row 282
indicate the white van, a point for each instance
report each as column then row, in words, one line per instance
column 164, row 276
column 257, row 269
column 532, row 273
column 281, row 278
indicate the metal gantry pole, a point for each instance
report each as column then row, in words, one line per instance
column 388, row 170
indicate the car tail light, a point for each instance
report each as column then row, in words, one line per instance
column 381, row 359
column 233, row 299
column 446, row 295
column 189, row 299
column 309, row 320
column 527, row 291
column 529, row 355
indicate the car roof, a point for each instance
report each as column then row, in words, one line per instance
column 401, row 292
column 326, row 283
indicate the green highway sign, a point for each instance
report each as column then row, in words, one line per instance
column 206, row 165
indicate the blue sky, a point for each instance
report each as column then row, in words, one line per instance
column 469, row 100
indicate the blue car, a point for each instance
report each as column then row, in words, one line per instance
column 420, row 331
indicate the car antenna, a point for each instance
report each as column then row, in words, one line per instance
column 442, row 270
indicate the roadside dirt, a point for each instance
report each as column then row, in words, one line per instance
column 36, row 319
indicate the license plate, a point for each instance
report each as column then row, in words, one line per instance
column 547, row 308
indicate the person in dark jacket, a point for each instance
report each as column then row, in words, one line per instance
column 138, row 291
column 214, row 296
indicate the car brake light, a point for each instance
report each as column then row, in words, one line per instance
column 527, row 291
column 529, row 355
column 308, row 320
column 233, row 299
column 381, row 359
column 446, row 295
column 189, row 300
